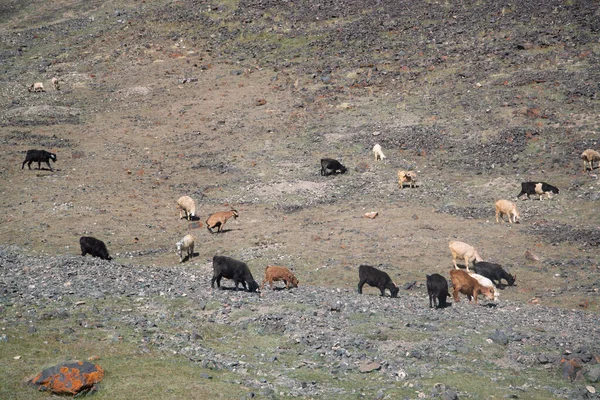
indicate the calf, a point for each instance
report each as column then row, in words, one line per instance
column 588, row 157
column 437, row 288
column 409, row 177
column 330, row 166
column 539, row 188
column 94, row 247
column 485, row 282
column 36, row 87
column 464, row 283
column 376, row 278
column 495, row 273
column 39, row 156
column 275, row 273
column 238, row 271
column 463, row 251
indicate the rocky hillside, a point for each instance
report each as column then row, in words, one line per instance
column 234, row 103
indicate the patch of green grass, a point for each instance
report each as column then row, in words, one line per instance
column 129, row 372
column 490, row 384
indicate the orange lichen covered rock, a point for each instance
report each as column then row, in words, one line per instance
column 69, row 378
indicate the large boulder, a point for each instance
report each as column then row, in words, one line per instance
column 69, row 378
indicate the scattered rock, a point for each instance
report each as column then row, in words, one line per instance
column 369, row 367
column 531, row 257
column 70, row 378
column 371, row 214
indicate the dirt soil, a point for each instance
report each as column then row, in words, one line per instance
column 234, row 104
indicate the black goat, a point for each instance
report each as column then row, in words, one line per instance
column 39, row 156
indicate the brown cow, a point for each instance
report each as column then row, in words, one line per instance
column 275, row 273
column 464, row 283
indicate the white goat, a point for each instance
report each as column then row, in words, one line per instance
column 36, row 87
column 186, row 244
column 409, row 177
column 55, row 83
column 463, row 251
column 588, row 157
column 485, row 282
column 378, row 152
column 505, row 207
column 186, row 205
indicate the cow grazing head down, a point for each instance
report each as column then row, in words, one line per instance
column 376, row 278
column 238, row 271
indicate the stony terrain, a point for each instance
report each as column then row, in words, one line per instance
column 233, row 103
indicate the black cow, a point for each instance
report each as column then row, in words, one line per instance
column 539, row 188
column 494, row 272
column 330, row 166
column 95, row 247
column 226, row 267
column 376, row 278
column 437, row 288
column 39, row 156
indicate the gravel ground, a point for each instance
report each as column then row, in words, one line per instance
column 521, row 336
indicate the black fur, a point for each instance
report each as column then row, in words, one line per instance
column 376, row 278
column 238, row 271
column 330, row 166
column 495, row 273
column 437, row 288
column 95, row 247
column 528, row 188
column 39, row 156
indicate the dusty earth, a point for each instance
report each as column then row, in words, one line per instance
column 234, row 104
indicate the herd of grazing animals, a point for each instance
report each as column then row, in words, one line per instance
column 484, row 280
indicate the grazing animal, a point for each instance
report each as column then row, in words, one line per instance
column 437, row 288
column 186, row 244
column 330, row 166
column 588, row 157
column 186, row 207
column 55, row 83
column 36, row 87
column 409, row 177
column 495, row 273
column 485, row 282
column 276, row 273
column 539, row 188
column 508, row 208
column 238, row 271
column 376, row 278
column 39, row 156
column 378, row 153
column 464, row 283
column 463, row 251
column 218, row 220
column 94, row 247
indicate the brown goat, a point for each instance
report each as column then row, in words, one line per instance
column 409, row 177
column 276, row 273
column 218, row 219
column 464, row 283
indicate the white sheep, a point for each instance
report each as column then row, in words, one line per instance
column 588, row 157
column 187, row 206
column 186, row 244
column 465, row 252
column 378, row 152
column 485, row 282
column 36, row 87
column 55, row 83
column 506, row 207
column 409, row 177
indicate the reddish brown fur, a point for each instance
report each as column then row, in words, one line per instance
column 464, row 283
column 276, row 273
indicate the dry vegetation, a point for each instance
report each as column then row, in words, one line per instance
column 234, row 103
